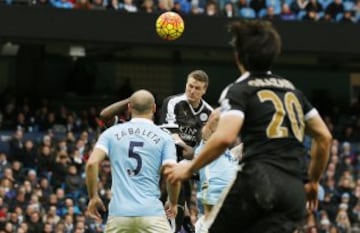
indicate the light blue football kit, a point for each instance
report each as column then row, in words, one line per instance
column 216, row 176
column 137, row 149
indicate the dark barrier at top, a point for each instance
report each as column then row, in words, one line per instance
column 50, row 24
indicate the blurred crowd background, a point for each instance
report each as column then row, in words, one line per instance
column 347, row 11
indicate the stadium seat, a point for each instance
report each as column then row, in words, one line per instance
column 301, row 15
column 247, row 13
column 348, row 5
column 262, row 13
column 321, row 14
column 325, row 3
column 4, row 147
column 276, row 4
column 339, row 17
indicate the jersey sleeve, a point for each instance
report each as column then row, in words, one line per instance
column 164, row 111
column 168, row 117
column 169, row 151
column 308, row 109
column 103, row 142
column 234, row 99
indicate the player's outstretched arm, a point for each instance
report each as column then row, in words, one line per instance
column 113, row 109
column 187, row 151
column 224, row 136
column 320, row 150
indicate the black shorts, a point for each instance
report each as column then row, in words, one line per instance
column 263, row 199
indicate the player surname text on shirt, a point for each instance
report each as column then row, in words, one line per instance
column 274, row 82
column 138, row 131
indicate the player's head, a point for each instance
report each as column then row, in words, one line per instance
column 256, row 44
column 210, row 126
column 142, row 103
column 196, row 85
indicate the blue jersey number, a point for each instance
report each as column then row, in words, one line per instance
column 136, row 156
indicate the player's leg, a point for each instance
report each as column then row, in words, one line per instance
column 180, row 210
column 187, row 224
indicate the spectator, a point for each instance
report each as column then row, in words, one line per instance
column 286, row 13
column 348, row 18
column 258, row 5
column 229, row 10
column 298, row 5
column 42, row 3
column 342, row 221
column 211, row 8
column 60, row 169
column 314, row 5
column 16, row 146
column 270, row 14
column 45, row 160
column 128, row 6
column 74, row 183
column 4, row 163
column 83, row 4
column 113, row 5
column 240, row 4
column 35, row 224
column 334, row 8
column 98, row 5
column 147, row 6
column 28, row 156
column 164, row 5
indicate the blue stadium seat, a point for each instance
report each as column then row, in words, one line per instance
column 321, row 14
column 262, row 13
column 301, row 15
column 339, row 17
column 247, row 13
column 325, row 3
column 348, row 5
column 276, row 4
column 4, row 147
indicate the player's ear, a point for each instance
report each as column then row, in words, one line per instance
column 154, row 108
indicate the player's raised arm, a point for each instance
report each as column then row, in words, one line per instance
column 112, row 110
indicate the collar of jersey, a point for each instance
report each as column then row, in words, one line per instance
column 138, row 119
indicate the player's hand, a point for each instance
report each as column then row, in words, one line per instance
column 311, row 190
column 179, row 172
column 170, row 210
column 95, row 204
column 177, row 139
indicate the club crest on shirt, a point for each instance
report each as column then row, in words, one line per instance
column 204, row 116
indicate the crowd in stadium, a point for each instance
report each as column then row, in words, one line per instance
column 289, row 10
column 45, row 146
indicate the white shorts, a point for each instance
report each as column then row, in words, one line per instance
column 148, row 224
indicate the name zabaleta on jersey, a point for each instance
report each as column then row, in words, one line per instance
column 138, row 131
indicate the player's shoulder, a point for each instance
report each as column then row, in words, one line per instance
column 175, row 98
column 163, row 132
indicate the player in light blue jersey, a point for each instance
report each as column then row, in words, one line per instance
column 216, row 176
column 139, row 152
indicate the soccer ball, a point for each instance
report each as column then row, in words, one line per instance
column 170, row 25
